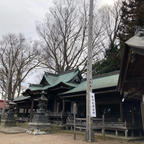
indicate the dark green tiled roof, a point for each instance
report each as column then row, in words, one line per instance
column 98, row 83
column 21, row 98
column 36, row 88
column 65, row 77
column 55, row 79
column 137, row 41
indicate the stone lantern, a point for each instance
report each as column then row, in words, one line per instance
column 40, row 121
column 9, row 115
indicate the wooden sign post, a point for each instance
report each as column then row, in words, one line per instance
column 74, row 113
column 142, row 110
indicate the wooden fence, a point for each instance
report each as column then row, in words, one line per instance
column 99, row 124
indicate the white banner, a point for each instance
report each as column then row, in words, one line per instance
column 92, row 105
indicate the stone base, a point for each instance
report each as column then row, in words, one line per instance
column 36, row 128
column 36, row 125
column 87, row 137
column 8, row 123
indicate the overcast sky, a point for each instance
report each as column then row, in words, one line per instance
column 22, row 15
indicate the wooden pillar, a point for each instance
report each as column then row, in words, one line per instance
column 133, row 118
column 63, row 108
column 31, row 111
column 97, row 110
column 133, row 121
column 103, row 126
column 24, row 111
column 58, row 107
column 71, row 107
column 18, row 110
column 142, row 110
column 27, row 111
column 121, row 111
column 55, row 106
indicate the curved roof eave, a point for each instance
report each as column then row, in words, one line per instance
column 136, row 41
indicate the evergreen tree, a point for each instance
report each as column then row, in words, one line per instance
column 110, row 63
column 111, row 17
column 132, row 18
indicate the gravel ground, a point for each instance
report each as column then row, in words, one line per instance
column 54, row 139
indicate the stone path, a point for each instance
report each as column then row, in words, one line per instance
column 58, row 138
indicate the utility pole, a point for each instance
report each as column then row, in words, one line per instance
column 89, row 135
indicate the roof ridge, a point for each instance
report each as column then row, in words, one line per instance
column 107, row 74
column 103, row 75
column 48, row 73
column 35, row 84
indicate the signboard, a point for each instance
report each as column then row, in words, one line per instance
column 92, row 105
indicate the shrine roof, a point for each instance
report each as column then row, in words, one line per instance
column 36, row 88
column 21, row 98
column 98, row 83
column 64, row 77
column 56, row 79
column 137, row 41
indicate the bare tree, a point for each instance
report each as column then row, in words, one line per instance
column 111, row 18
column 64, row 37
column 17, row 59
